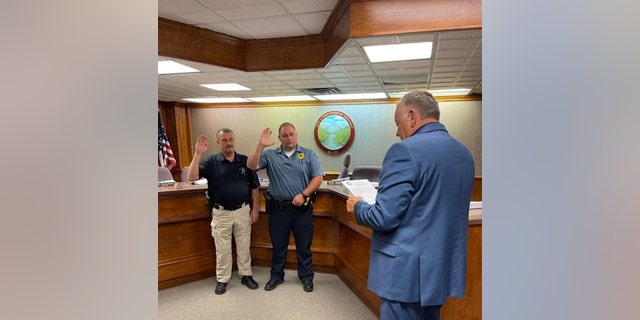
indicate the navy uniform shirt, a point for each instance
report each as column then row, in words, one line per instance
column 229, row 182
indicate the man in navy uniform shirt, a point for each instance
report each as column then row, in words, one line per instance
column 233, row 202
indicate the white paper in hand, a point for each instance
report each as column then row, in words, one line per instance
column 362, row 188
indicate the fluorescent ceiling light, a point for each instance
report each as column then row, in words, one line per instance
column 226, row 87
column 215, row 100
column 435, row 93
column 282, row 98
column 450, row 92
column 399, row 52
column 172, row 67
column 352, row 96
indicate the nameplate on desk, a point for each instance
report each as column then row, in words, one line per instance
column 166, row 183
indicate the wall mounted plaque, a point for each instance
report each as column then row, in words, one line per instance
column 334, row 132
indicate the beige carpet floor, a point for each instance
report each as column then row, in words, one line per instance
column 331, row 299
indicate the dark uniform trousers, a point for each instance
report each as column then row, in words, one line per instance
column 282, row 221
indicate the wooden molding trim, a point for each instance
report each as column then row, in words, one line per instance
column 180, row 40
column 388, row 17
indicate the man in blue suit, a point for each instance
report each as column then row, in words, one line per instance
column 418, row 254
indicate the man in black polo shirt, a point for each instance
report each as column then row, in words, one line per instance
column 233, row 202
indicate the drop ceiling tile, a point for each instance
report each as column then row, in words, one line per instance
column 361, row 74
column 300, row 6
column 447, row 62
column 340, row 81
column 265, row 10
column 227, row 28
column 285, row 26
column 216, row 4
column 313, row 22
column 348, row 61
column 201, row 17
column 326, row 4
column 355, row 67
column 234, row 13
column 383, row 66
column 333, row 76
column 452, row 54
column 257, row 28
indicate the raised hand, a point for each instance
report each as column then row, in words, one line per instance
column 265, row 138
column 201, row 144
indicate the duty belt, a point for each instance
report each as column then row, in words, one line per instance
column 230, row 208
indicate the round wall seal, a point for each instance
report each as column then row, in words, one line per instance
column 334, row 132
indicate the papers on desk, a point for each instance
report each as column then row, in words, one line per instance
column 362, row 188
column 475, row 205
column 166, row 183
column 199, row 182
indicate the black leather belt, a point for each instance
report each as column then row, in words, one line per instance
column 230, row 208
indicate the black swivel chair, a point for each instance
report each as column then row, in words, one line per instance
column 371, row 173
column 346, row 161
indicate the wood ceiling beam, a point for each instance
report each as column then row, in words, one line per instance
column 389, row 17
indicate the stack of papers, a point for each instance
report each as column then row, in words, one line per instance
column 475, row 205
column 362, row 188
column 166, row 183
column 200, row 182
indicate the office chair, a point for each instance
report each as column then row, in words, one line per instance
column 164, row 174
column 183, row 174
column 346, row 161
column 164, row 177
column 371, row 173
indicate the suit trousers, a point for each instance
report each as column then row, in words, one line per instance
column 396, row 310
column 224, row 225
column 283, row 221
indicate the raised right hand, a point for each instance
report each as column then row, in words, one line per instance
column 201, row 144
column 265, row 138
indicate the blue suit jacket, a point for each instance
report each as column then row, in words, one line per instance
column 420, row 219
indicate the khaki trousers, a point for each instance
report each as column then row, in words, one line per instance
column 224, row 224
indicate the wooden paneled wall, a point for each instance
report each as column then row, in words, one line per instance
column 177, row 124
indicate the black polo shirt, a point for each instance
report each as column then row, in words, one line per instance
column 229, row 182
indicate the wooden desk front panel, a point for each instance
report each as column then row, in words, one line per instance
column 186, row 250
column 185, row 247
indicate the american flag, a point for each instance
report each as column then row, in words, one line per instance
column 165, row 155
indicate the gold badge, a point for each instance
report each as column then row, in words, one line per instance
column 300, row 155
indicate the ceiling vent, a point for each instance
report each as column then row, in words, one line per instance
column 320, row 91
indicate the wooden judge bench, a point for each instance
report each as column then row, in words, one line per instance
column 186, row 249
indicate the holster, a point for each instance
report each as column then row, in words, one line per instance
column 268, row 201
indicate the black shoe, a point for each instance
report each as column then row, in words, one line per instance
column 221, row 288
column 249, row 282
column 307, row 285
column 272, row 284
